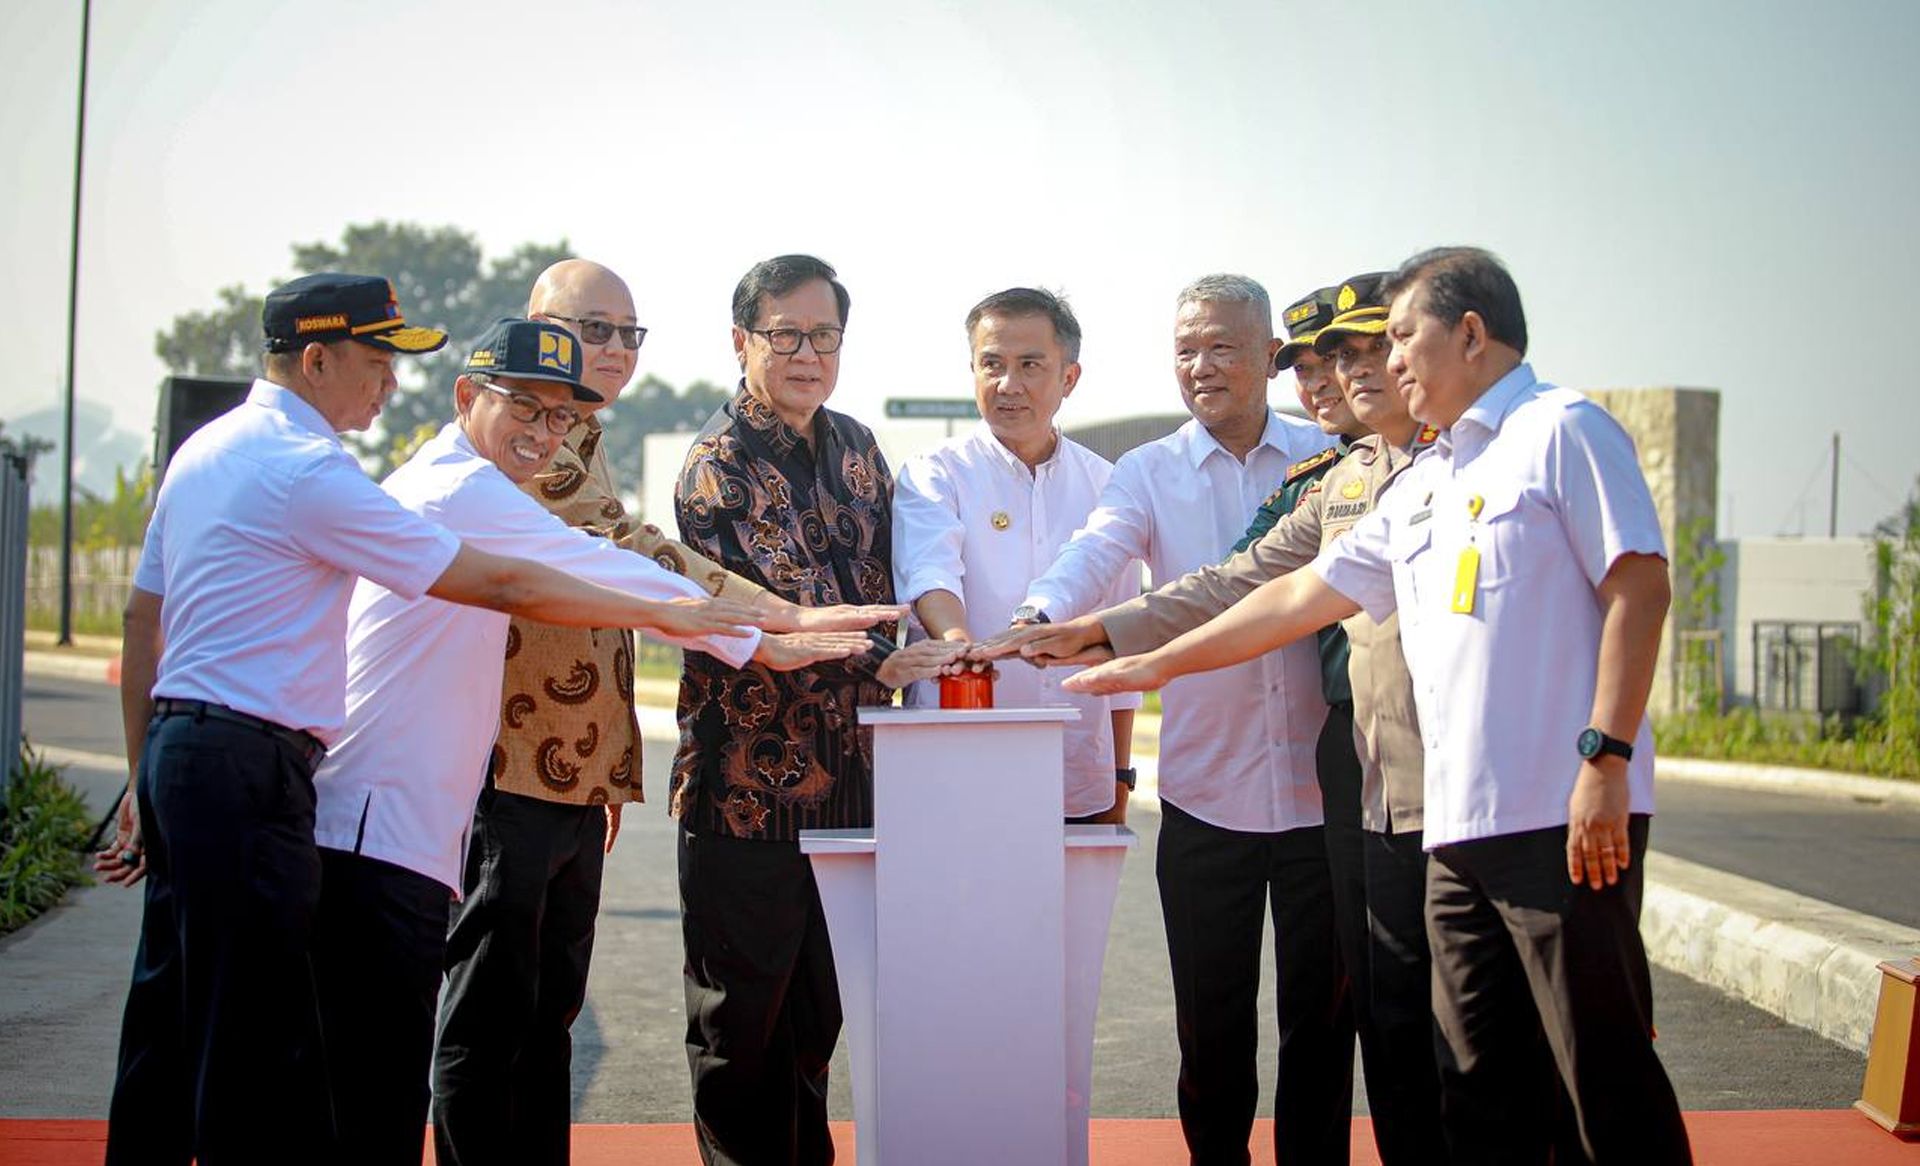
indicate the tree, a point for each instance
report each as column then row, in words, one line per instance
column 653, row 406
column 441, row 280
column 1893, row 612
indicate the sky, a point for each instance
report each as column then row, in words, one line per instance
column 1688, row 193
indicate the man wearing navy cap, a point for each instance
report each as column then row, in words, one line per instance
column 396, row 792
column 233, row 687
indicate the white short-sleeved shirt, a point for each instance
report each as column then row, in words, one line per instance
column 1236, row 744
column 972, row 519
column 263, row 523
column 1504, row 691
column 424, row 675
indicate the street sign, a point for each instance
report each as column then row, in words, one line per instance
column 932, row 409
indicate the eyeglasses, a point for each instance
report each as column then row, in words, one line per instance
column 560, row 418
column 786, row 341
column 600, row 331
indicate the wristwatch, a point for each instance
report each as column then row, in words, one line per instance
column 1028, row 613
column 1126, row 776
column 1592, row 743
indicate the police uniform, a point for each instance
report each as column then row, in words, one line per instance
column 1490, row 548
column 261, row 527
column 1370, row 758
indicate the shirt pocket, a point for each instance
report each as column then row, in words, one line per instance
column 1409, row 550
column 1498, row 534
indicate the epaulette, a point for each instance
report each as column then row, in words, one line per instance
column 1427, row 436
column 1301, row 469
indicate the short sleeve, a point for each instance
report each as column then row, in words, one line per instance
column 337, row 515
column 929, row 539
column 1605, row 508
column 1357, row 566
column 151, row 574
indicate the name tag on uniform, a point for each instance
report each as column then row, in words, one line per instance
column 1466, row 580
column 1420, row 516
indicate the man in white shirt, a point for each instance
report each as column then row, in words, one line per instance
column 232, row 687
column 975, row 521
column 1241, row 820
column 1524, row 557
column 396, row 792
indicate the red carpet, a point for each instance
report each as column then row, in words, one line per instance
column 1752, row 1138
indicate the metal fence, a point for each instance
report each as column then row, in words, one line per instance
column 1806, row 666
column 13, row 608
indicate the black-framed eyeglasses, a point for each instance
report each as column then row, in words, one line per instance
column 786, row 341
column 595, row 331
column 560, row 418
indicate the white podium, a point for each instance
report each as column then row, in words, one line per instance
column 968, row 927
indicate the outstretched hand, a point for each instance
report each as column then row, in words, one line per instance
column 923, row 661
column 1126, row 674
column 786, row 651
column 711, row 616
column 780, row 615
column 1077, row 641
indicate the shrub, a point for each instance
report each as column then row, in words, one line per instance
column 43, row 833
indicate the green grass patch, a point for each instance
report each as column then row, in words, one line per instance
column 1812, row 742
column 42, row 832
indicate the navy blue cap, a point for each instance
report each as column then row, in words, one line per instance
column 531, row 350
column 331, row 305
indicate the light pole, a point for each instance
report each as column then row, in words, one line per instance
column 73, row 310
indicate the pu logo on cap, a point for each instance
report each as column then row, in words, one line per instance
column 556, row 352
column 1348, row 298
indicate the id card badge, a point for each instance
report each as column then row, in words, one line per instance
column 1466, row 580
column 1466, row 573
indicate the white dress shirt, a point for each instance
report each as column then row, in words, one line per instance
column 424, row 675
column 972, row 519
column 1236, row 744
column 262, row 526
column 1504, row 691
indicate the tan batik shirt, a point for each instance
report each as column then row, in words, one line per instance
column 567, row 728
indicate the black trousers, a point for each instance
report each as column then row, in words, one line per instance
column 1537, row 981
column 1215, row 888
column 380, row 939
column 1403, row 1083
column 517, row 959
column 220, row 1048
column 1337, row 766
column 763, row 1004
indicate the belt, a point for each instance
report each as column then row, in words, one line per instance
column 306, row 744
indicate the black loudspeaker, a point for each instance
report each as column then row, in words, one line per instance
column 187, row 403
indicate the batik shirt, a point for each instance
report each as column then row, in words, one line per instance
column 767, row 754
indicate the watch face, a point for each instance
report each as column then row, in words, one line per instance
column 1589, row 743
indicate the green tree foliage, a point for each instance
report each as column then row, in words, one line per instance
column 1698, row 560
column 653, row 406
column 100, row 523
column 442, row 280
column 1893, row 614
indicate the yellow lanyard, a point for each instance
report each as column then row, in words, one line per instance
column 1466, row 573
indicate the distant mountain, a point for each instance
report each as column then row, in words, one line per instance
column 99, row 448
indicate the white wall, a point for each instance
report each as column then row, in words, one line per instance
column 1800, row 579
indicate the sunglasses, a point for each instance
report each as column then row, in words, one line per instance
column 594, row 331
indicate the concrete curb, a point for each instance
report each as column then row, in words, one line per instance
column 1789, row 780
column 66, row 666
column 1808, row 962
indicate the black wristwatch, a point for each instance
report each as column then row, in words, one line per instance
column 1126, row 776
column 1028, row 613
column 1592, row 743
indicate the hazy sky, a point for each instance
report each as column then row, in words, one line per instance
column 1688, row 193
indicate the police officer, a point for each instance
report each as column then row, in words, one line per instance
column 233, row 686
column 1525, row 560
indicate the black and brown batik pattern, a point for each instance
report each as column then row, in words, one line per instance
column 767, row 754
column 567, row 728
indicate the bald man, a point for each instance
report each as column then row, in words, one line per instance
column 566, row 760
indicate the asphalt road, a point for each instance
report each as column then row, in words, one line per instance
column 630, row 1065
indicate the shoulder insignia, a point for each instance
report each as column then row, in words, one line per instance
column 1427, row 435
column 1353, row 489
column 1300, row 469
